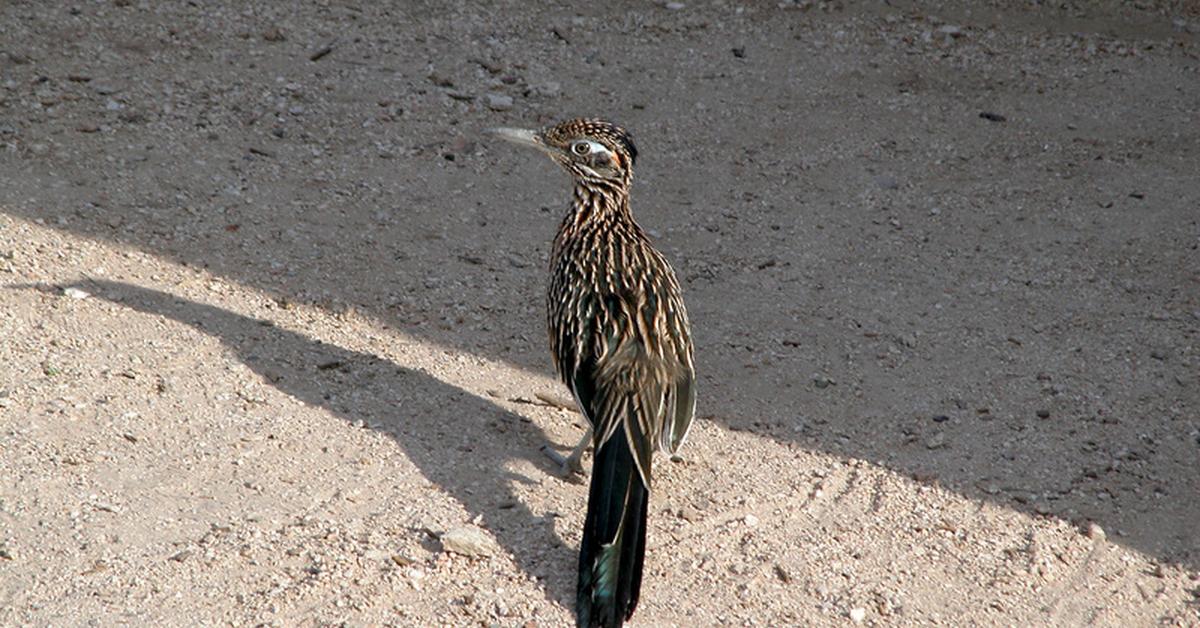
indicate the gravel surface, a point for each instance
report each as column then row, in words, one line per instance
column 271, row 335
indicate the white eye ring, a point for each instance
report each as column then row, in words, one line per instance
column 581, row 148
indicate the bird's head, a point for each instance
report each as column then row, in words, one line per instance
column 590, row 150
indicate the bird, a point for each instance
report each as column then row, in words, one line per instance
column 621, row 342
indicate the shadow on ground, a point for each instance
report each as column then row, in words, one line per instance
column 473, row 471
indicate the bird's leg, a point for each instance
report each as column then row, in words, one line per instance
column 572, row 464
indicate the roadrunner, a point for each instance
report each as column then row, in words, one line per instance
column 620, row 341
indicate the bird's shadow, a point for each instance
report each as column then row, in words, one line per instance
column 429, row 431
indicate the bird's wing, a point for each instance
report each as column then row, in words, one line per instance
column 681, row 387
column 620, row 388
column 681, row 408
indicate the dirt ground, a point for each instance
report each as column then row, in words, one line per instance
column 272, row 323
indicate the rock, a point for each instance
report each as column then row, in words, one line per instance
column 467, row 541
column 76, row 293
column 499, row 102
column 750, row 521
column 675, row 6
column 823, row 381
column 937, row 441
column 377, row 555
column 1094, row 531
column 988, row 486
column 950, row 30
column 858, row 614
column 549, row 89
column 1043, row 414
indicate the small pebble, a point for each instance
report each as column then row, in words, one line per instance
column 467, row 541
column 782, row 573
column 76, row 293
column 857, row 615
column 499, row 102
column 549, row 89
column 1043, row 414
column 886, row 182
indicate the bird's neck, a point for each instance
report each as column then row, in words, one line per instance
column 598, row 205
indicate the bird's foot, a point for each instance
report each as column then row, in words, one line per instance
column 571, row 466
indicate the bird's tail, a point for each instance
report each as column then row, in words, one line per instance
column 614, row 538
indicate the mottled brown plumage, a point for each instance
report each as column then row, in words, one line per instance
column 620, row 340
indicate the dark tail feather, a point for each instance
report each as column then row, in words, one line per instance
column 614, row 539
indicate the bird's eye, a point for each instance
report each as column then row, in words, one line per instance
column 581, row 148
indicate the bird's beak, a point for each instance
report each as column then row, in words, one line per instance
column 523, row 137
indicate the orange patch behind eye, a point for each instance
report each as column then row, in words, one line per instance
column 616, row 159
